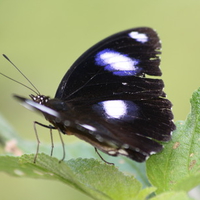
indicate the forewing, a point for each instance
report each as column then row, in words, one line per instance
column 114, row 66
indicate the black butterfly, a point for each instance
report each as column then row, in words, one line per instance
column 106, row 100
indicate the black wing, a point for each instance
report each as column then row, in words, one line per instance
column 125, row 127
column 115, row 67
column 107, row 99
column 111, row 98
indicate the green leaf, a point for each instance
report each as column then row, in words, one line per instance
column 106, row 179
column 97, row 180
column 178, row 166
column 143, row 194
column 172, row 196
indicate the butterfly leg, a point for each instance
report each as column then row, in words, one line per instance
column 63, row 146
column 102, row 157
column 38, row 140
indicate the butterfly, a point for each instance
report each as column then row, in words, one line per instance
column 111, row 99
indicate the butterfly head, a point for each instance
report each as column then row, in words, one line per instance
column 41, row 99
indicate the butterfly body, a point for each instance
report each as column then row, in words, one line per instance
column 106, row 99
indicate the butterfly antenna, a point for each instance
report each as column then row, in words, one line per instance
column 19, row 83
column 35, row 91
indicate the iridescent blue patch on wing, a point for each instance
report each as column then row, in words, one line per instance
column 118, row 63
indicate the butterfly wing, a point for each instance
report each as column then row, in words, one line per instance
column 111, row 98
column 114, row 66
column 130, row 128
column 125, row 127
column 110, row 95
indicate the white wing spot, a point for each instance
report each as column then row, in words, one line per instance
column 112, row 152
column 139, row 37
column 123, row 152
column 115, row 108
column 118, row 63
column 89, row 127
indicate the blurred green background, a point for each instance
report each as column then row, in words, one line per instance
column 43, row 38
